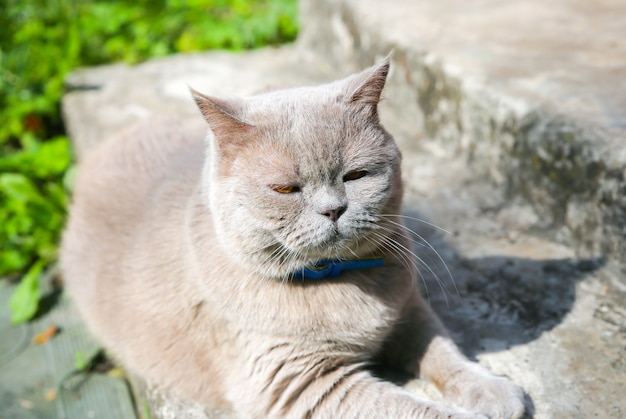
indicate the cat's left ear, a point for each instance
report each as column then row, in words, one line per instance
column 369, row 86
column 223, row 116
column 230, row 131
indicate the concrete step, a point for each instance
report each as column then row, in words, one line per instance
column 531, row 94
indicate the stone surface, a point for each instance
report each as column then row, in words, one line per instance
column 40, row 381
column 526, row 186
column 530, row 93
column 105, row 99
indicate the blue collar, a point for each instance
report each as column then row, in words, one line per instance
column 333, row 268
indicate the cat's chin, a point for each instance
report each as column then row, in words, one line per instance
column 282, row 258
column 296, row 260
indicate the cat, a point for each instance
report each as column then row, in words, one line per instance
column 263, row 266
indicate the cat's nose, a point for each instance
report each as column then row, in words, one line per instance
column 333, row 213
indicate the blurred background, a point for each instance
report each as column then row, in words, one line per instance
column 41, row 41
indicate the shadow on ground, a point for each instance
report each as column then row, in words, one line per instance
column 496, row 302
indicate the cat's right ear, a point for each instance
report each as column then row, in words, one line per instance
column 223, row 116
column 366, row 87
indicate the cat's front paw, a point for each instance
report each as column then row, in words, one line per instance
column 478, row 390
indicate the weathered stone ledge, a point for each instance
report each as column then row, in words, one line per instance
column 531, row 94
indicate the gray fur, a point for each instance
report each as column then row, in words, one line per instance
column 179, row 253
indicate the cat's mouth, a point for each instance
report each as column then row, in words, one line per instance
column 335, row 247
column 283, row 260
column 294, row 252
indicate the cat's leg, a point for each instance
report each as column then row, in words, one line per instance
column 363, row 396
column 322, row 387
column 422, row 345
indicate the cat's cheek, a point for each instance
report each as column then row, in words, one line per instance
column 369, row 193
column 347, row 228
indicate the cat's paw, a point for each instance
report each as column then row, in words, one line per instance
column 478, row 390
column 448, row 412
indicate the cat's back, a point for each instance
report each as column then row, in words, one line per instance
column 122, row 178
column 141, row 155
column 125, row 188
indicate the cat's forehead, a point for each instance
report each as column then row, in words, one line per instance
column 312, row 122
column 298, row 105
column 317, row 146
column 312, row 117
column 312, row 131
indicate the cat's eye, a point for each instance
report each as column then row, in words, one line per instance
column 357, row 174
column 286, row 189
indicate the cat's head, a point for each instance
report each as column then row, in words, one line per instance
column 301, row 175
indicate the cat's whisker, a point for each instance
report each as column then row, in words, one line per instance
column 207, row 251
column 406, row 258
column 424, row 243
column 428, row 223
column 262, row 248
column 441, row 284
column 444, row 289
column 289, row 259
column 407, row 261
column 291, row 265
column 349, row 249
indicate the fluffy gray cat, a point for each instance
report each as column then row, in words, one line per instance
column 264, row 266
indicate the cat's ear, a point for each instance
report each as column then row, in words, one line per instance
column 366, row 87
column 223, row 116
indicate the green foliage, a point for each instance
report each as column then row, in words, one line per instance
column 32, row 202
column 85, row 361
column 41, row 41
column 25, row 299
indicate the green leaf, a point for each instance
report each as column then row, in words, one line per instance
column 18, row 187
column 25, row 299
column 80, row 363
column 83, row 362
column 52, row 158
column 12, row 260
